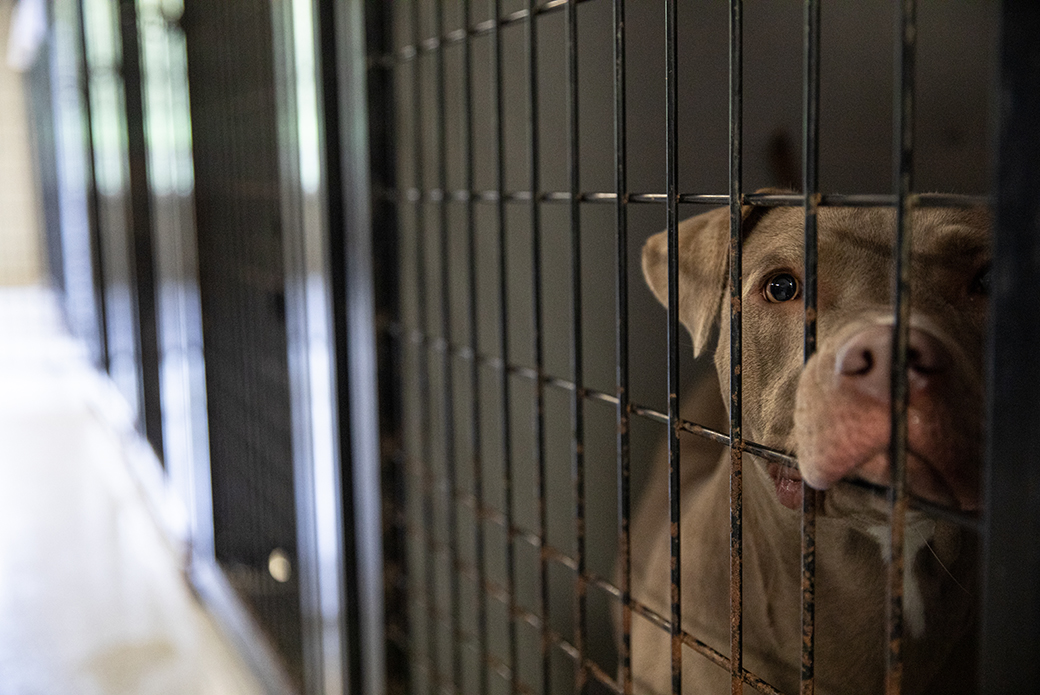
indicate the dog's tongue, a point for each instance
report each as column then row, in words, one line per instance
column 788, row 483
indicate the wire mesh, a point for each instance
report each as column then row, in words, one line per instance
column 484, row 210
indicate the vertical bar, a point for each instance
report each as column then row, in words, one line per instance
column 672, row 215
column 1011, row 596
column 423, row 377
column 621, row 290
column 311, row 339
column 92, row 197
column 736, row 97
column 810, row 188
column 143, row 272
column 448, row 384
column 578, row 395
column 368, row 672
column 474, row 365
column 503, row 336
column 534, row 161
column 906, row 33
column 335, row 154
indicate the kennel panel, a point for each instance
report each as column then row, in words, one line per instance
column 242, row 290
column 541, row 330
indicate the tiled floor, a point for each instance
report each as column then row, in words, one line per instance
column 92, row 598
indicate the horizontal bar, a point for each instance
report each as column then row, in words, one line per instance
column 701, row 648
column 458, row 36
column 501, row 594
column 424, row 662
column 551, row 553
column 935, row 200
column 532, row 539
column 965, row 519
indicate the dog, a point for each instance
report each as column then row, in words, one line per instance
column 833, row 414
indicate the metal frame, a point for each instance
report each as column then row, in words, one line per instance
column 354, row 135
column 141, row 225
column 1011, row 598
column 312, row 341
column 120, row 215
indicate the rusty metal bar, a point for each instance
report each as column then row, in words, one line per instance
column 577, row 359
column 810, row 189
column 422, row 367
column 447, row 366
column 534, row 162
column 968, row 520
column 873, row 200
column 624, row 460
column 906, row 37
column 488, row 26
column 672, row 215
column 503, row 335
column 469, row 164
column 736, row 99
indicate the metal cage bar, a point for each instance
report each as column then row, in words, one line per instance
column 474, row 365
column 538, row 423
column 577, row 349
column 447, row 364
column 906, row 37
column 736, row 115
column 423, row 377
column 672, row 183
column 503, row 336
column 624, row 460
column 869, row 200
column 810, row 189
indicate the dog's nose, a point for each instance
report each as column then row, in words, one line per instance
column 865, row 361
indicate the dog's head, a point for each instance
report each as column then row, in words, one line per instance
column 834, row 412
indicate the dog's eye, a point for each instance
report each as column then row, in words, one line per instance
column 782, row 287
column 980, row 283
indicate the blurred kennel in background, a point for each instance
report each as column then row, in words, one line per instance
column 368, row 275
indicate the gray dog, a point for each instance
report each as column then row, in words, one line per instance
column 834, row 415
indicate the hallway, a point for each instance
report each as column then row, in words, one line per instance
column 92, row 597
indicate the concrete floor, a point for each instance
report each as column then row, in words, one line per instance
column 92, row 597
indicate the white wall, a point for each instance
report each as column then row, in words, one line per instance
column 20, row 231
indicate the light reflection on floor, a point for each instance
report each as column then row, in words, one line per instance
column 92, row 598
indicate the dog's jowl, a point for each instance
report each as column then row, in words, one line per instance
column 833, row 414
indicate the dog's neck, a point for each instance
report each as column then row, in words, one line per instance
column 919, row 531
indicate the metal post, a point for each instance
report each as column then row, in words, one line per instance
column 1011, row 593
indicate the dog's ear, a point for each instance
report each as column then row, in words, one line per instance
column 703, row 256
column 703, row 267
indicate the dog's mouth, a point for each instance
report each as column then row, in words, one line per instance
column 923, row 476
column 787, row 480
column 788, row 484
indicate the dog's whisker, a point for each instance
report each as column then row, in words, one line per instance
column 928, row 544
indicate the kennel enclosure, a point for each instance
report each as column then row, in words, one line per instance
column 368, row 273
